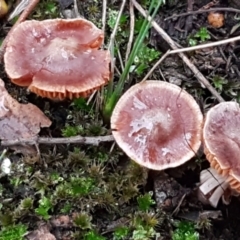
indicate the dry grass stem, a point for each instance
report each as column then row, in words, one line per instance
column 207, row 45
column 113, row 34
column 172, row 44
column 104, row 16
column 131, row 34
column 155, row 66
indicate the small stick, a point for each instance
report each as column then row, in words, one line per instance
column 131, row 34
column 203, row 11
column 201, row 46
column 3, row 154
column 112, row 37
column 189, row 18
column 47, row 141
column 18, row 9
column 76, row 11
column 104, row 15
column 156, row 65
column 172, row 44
column 120, row 58
column 189, row 49
column 21, row 18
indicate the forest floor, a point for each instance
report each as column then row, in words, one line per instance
column 95, row 192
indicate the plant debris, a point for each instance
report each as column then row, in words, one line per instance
column 80, row 184
column 19, row 120
column 42, row 233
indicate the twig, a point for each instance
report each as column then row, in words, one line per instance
column 201, row 46
column 156, row 65
column 111, row 49
column 18, row 9
column 210, row 4
column 131, row 34
column 202, row 11
column 172, row 44
column 45, row 140
column 189, row 18
column 22, row 18
column 3, row 154
column 91, row 97
column 189, row 49
column 120, row 57
column 112, row 37
column 76, row 11
column 104, row 15
column 176, row 210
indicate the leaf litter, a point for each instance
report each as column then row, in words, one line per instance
column 184, row 178
column 19, row 120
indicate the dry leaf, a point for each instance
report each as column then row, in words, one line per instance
column 19, row 120
column 42, row 233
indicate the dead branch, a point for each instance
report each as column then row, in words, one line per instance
column 50, row 141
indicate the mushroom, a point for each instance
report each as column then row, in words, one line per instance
column 216, row 19
column 57, row 58
column 3, row 8
column 157, row 124
column 221, row 136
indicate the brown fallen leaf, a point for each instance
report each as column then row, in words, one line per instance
column 19, row 120
column 42, row 233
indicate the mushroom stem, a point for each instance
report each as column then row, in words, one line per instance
column 217, row 194
column 213, row 185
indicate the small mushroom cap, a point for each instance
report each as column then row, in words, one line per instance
column 216, row 19
column 221, row 135
column 57, row 58
column 3, row 8
column 157, row 124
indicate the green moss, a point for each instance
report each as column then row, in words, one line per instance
column 185, row 231
column 46, row 9
column 14, row 232
column 45, row 205
column 121, row 233
column 93, row 236
column 71, row 131
column 82, row 220
column 145, row 201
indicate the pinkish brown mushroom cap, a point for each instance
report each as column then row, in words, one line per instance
column 157, row 124
column 57, row 58
column 221, row 135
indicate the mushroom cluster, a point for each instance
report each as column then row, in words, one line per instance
column 157, row 124
column 57, row 58
column 160, row 126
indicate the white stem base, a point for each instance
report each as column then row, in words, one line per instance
column 213, row 186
